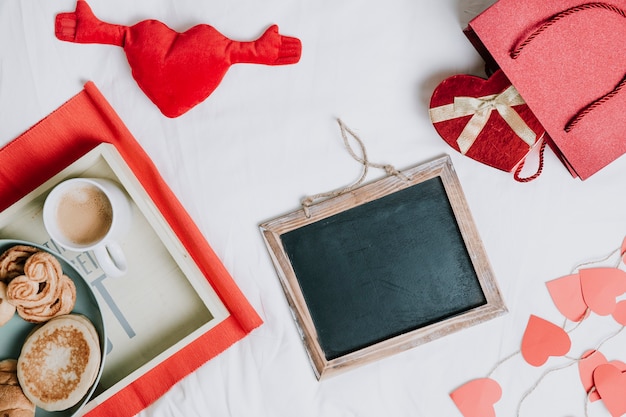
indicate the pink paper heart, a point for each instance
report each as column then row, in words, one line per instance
column 477, row 397
column 600, row 287
column 568, row 296
column 589, row 361
column 619, row 313
column 619, row 365
column 543, row 339
column 610, row 383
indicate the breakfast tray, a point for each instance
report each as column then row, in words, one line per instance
column 178, row 306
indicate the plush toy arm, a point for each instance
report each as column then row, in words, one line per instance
column 271, row 48
column 289, row 52
column 82, row 26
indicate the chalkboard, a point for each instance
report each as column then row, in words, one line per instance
column 390, row 265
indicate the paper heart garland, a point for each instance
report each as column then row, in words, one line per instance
column 611, row 385
column 485, row 119
column 619, row 313
column 587, row 364
column 600, row 287
column 586, row 367
column 567, row 296
column 593, row 288
column 176, row 70
column 477, row 398
column 590, row 290
column 543, row 339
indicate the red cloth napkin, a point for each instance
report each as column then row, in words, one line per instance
column 79, row 125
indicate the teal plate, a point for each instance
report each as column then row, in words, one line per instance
column 13, row 334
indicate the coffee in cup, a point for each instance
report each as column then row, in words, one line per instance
column 82, row 214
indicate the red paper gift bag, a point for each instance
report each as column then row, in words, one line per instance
column 567, row 59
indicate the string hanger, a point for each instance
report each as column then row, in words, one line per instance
column 307, row 202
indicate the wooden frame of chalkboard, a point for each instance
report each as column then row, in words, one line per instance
column 383, row 268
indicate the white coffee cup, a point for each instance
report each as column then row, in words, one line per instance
column 83, row 214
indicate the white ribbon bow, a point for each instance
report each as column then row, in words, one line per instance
column 481, row 109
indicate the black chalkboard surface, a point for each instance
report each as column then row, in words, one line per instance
column 420, row 275
column 393, row 264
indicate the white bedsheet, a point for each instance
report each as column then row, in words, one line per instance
column 268, row 136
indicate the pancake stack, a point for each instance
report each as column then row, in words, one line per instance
column 59, row 362
column 13, row 402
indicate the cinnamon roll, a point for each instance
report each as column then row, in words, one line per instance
column 43, row 291
column 12, row 261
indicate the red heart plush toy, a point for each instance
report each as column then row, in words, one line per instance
column 176, row 70
column 485, row 119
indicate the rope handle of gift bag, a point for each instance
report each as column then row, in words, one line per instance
column 551, row 21
column 518, row 170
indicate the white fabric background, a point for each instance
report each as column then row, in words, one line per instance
column 268, row 136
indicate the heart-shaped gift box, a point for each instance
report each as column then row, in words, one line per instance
column 485, row 119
